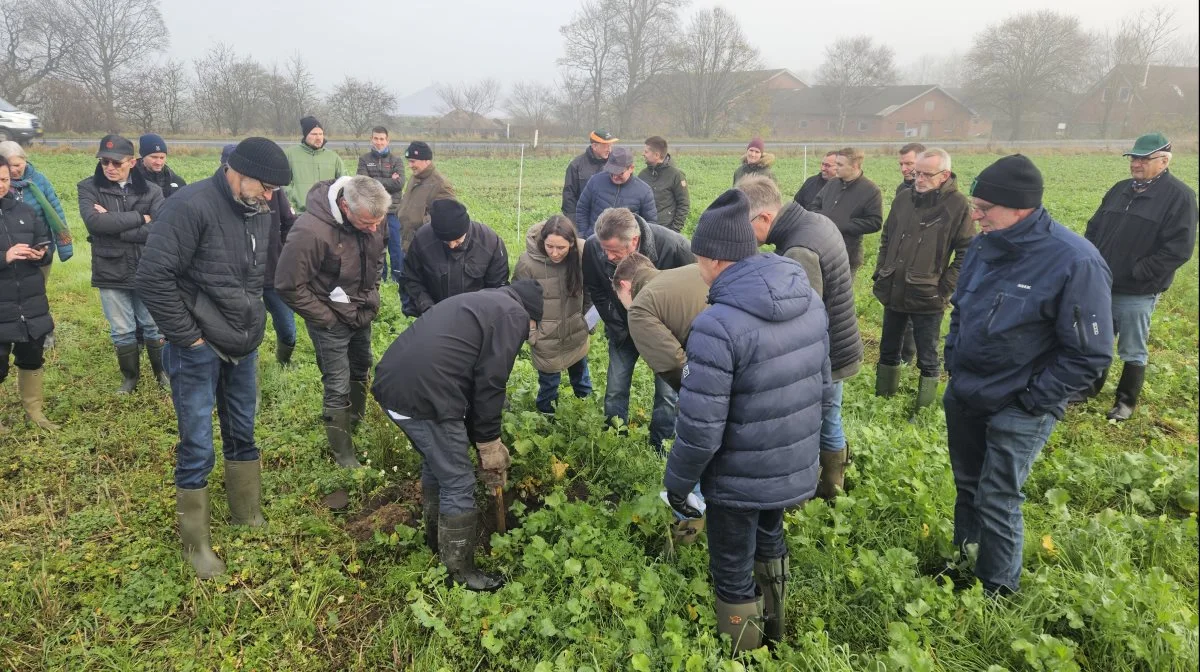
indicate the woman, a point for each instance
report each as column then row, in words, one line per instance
column 24, row 311
column 755, row 162
column 552, row 257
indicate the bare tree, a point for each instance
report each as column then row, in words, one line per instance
column 1182, row 51
column 174, row 85
column 36, row 42
column 230, row 89
column 853, row 69
column 110, row 36
column 531, row 104
column 588, row 58
column 713, row 55
column 477, row 99
column 360, row 104
column 1019, row 63
column 946, row 70
column 139, row 99
column 67, row 107
column 644, row 50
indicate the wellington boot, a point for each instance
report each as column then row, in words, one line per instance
column 358, row 401
column 129, row 360
column 456, row 548
column 742, row 622
column 832, row 479
column 337, row 430
column 283, row 352
column 154, row 352
column 430, row 508
column 887, row 380
column 243, row 488
column 191, row 507
column 926, row 394
column 772, row 576
column 30, row 385
column 1133, row 376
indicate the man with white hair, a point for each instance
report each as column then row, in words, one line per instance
column 329, row 272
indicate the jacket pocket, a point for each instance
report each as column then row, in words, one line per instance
column 1006, row 316
column 110, row 265
column 884, row 278
column 921, row 290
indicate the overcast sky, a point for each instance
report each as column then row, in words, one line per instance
column 410, row 44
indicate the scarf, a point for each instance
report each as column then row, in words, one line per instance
column 1141, row 185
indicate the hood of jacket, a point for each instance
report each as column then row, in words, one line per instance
column 531, row 244
column 137, row 183
column 766, row 286
column 767, row 160
column 322, row 202
column 666, row 163
column 1011, row 242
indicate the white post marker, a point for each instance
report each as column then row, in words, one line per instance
column 520, row 186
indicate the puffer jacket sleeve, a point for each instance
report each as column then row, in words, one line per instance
column 51, row 196
column 648, row 208
column 299, row 261
column 703, row 404
column 174, row 238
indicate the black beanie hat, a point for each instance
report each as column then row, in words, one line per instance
column 449, row 219
column 307, row 124
column 530, row 294
column 1011, row 182
column 724, row 231
column 262, row 160
column 418, row 150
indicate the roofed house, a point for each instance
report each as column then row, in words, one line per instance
column 884, row 112
column 1131, row 100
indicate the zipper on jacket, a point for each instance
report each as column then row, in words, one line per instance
column 1080, row 330
column 994, row 309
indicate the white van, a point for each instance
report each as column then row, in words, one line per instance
column 17, row 125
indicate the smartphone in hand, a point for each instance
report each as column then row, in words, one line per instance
column 43, row 245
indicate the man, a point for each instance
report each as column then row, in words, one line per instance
column 426, row 186
column 853, row 202
column 328, row 272
column 388, row 169
column 582, row 168
column 202, row 279
column 1031, row 324
column 442, row 381
column 614, row 187
column 813, row 185
column 1145, row 228
column 667, row 183
column 757, row 369
column 813, row 241
column 117, row 206
column 311, row 162
column 451, row 255
column 620, row 233
column 661, row 306
column 908, row 166
column 153, row 166
column 914, row 274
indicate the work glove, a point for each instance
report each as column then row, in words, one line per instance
column 494, row 461
column 681, row 506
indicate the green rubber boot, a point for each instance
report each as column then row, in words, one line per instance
column 772, row 576
column 926, row 393
column 742, row 622
column 191, row 507
column 243, row 488
column 358, row 401
column 887, row 380
column 341, row 443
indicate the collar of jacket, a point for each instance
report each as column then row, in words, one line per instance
column 654, row 169
column 310, row 149
column 646, row 244
column 932, row 197
column 786, row 220
column 379, row 154
column 591, row 156
column 1010, row 242
column 137, row 183
column 243, row 210
column 424, row 174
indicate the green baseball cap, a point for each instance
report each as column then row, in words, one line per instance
column 1149, row 144
column 601, row 135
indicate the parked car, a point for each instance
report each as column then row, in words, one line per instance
column 17, row 125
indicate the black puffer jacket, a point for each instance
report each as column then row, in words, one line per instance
column 117, row 236
column 166, row 179
column 203, row 269
column 24, row 310
column 661, row 245
column 433, row 272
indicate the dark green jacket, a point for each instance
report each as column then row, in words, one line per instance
column 669, row 185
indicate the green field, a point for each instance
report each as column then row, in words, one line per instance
column 91, row 576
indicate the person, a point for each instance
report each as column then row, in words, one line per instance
column 582, row 168
column 813, row 185
column 388, row 169
column 620, row 233
column 1145, row 228
column 153, row 164
column 25, row 314
column 328, row 272
column 668, row 184
column 202, row 278
column 426, row 186
column 442, row 381
column 451, row 255
column 311, row 162
column 914, row 273
column 117, row 206
column 1030, row 325
column 661, row 306
column 756, row 161
column 553, row 257
column 757, row 370
column 909, row 154
column 853, row 202
column 614, row 187
column 814, row 242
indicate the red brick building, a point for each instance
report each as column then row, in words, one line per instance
column 888, row 112
column 1131, row 100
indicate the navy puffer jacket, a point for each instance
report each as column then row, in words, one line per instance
column 750, row 408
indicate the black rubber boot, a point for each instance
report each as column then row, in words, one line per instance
column 154, row 352
column 337, row 431
column 358, row 401
column 456, row 548
column 772, row 576
column 129, row 360
column 430, row 508
column 742, row 622
column 887, row 380
column 1133, row 376
column 283, row 352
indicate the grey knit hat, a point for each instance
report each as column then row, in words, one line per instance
column 724, row 230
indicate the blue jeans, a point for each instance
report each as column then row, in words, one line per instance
column 395, row 250
column 126, row 313
column 991, row 455
column 445, row 461
column 200, row 381
column 833, row 439
column 282, row 317
column 1131, row 325
column 581, row 383
column 621, row 360
column 737, row 537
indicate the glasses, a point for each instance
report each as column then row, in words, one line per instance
column 116, row 163
column 268, row 187
column 1146, row 159
column 928, row 176
column 982, row 209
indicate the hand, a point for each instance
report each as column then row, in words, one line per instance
column 395, row 176
column 494, row 461
column 20, row 252
column 681, row 506
column 146, row 218
column 199, row 342
column 99, row 208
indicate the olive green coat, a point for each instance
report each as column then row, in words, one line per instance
column 562, row 335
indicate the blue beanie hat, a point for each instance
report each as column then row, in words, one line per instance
column 151, row 143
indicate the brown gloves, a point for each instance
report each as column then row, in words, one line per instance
column 493, row 462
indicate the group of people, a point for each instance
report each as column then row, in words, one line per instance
column 750, row 350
